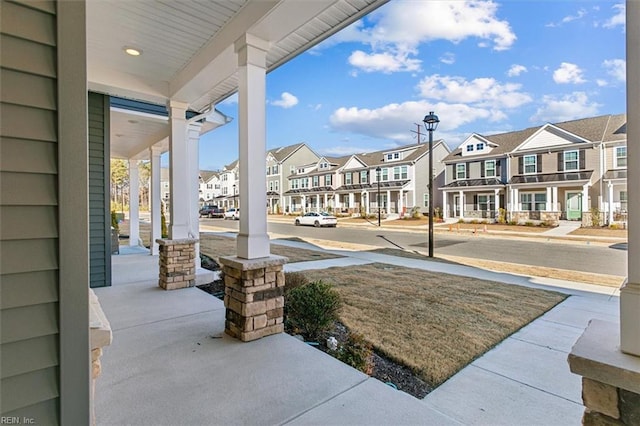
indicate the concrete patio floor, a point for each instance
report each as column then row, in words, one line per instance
column 170, row 362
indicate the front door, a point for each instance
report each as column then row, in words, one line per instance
column 456, row 206
column 574, row 205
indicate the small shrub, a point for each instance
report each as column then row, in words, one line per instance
column 513, row 222
column 437, row 213
column 415, row 212
column 502, row 216
column 311, row 309
column 475, row 221
column 114, row 221
column 356, row 352
column 461, row 220
column 528, row 223
column 595, row 217
column 293, row 280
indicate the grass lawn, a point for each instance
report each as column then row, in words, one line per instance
column 216, row 246
column 433, row 323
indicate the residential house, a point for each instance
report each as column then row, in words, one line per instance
column 229, row 186
column 281, row 162
column 209, row 187
column 547, row 173
column 394, row 181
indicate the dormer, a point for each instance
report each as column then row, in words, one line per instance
column 323, row 164
column 550, row 136
column 476, row 145
column 392, row 156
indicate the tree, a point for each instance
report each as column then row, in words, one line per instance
column 145, row 179
column 119, row 180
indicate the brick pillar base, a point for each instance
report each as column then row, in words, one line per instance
column 254, row 296
column 177, row 263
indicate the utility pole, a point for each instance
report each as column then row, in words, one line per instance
column 418, row 126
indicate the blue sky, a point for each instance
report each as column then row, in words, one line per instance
column 481, row 66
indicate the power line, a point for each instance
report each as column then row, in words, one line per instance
column 417, row 132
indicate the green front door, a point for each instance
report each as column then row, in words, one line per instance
column 574, row 205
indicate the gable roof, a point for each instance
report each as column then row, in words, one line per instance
column 602, row 128
column 206, row 175
column 284, row 152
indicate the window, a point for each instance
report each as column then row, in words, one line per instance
column 396, row 173
column 276, row 186
column 479, row 146
column 347, row 178
column 571, row 160
column 209, row 186
column 225, row 190
column 425, row 199
column 623, row 200
column 268, row 170
column 621, row 157
column 274, row 169
column 304, row 183
column 324, row 165
column 469, row 148
column 292, row 170
column 533, row 201
column 389, row 157
column 328, row 180
column 270, row 185
column 486, row 202
column 461, row 171
column 396, row 155
column 530, row 164
column 400, row 172
column 224, row 177
column 364, row 176
column 294, row 183
column 316, row 181
column 490, row 168
column 385, row 174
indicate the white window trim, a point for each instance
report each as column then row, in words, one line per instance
column 615, row 157
column 465, row 171
column 535, row 164
column 495, row 165
column 577, row 160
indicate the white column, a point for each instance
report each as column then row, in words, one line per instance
column 134, row 203
column 252, row 241
column 155, row 197
column 178, row 171
column 352, row 200
column 193, row 142
column 400, row 203
column 388, row 205
column 303, row 203
column 497, row 201
column 326, row 201
column 318, row 202
column 610, row 201
column 461, row 201
column 365, row 196
column 516, row 200
column 445, row 206
column 554, row 198
column 630, row 292
column 585, row 198
column 549, row 200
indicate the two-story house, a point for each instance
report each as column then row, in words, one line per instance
column 229, row 186
column 394, row 181
column 209, row 187
column 547, row 173
column 280, row 164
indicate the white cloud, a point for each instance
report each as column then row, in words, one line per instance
column 618, row 19
column 339, row 151
column 393, row 121
column 516, row 70
column 448, row 58
column 395, row 31
column 617, row 68
column 568, row 107
column 568, row 73
column 287, row 100
column 601, row 83
column 383, row 62
column 569, row 18
column 482, row 92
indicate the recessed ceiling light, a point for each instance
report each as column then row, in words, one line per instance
column 132, row 51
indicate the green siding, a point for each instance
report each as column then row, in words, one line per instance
column 99, row 217
column 29, row 229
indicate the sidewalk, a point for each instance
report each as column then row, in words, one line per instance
column 170, row 362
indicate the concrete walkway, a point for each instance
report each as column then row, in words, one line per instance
column 170, row 362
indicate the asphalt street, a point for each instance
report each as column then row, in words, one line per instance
column 582, row 256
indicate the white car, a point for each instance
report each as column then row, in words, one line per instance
column 232, row 214
column 317, row 219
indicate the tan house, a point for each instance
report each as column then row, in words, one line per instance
column 547, row 173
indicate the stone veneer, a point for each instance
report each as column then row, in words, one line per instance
column 99, row 336
column 254, row 296
column 177, row 263
column 522, row 217
column 610, row 378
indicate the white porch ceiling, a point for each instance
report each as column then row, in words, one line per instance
column 188, row 46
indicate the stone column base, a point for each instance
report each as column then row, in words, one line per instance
column 177, row 260
column 610, row 378
column 254, row 296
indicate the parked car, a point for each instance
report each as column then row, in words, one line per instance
column 317, row 219
column 232, row 214
column 211, row 211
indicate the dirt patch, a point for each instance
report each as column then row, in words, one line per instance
column 601, row 232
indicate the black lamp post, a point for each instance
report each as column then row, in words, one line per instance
column 378, row 170
column 431, row 123
column 234, row 195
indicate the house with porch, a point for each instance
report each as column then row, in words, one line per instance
column 281, row 162
column 394, row 181
column 546, row 173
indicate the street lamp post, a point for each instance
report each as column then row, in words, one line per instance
column 431, row 123
column 234, row 195
column 378, row 170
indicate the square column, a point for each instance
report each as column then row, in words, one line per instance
column 549, row 204
column 193, row 141
column 252, row 241
column 497, row 201
column 554, row 199
column 177, row 263
column 445, row 205
column 585, row 198
column 254, row 296
column 610, row 201
column 134, row 203
column 318, row 203
column 461, row 201
column 179, row 171
column 155, row 199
